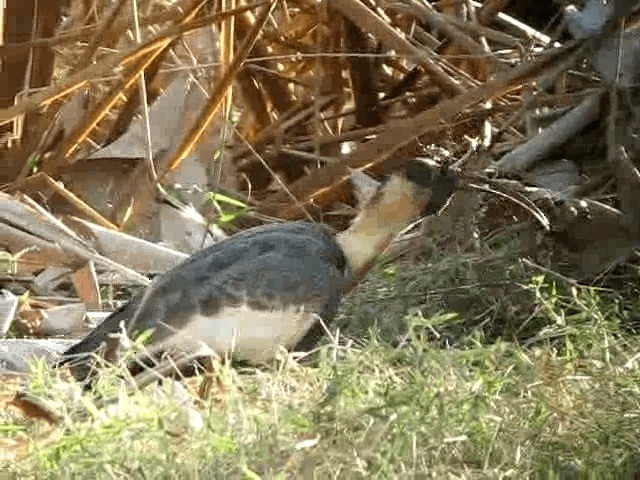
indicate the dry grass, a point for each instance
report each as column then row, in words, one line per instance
column 389, row 398
column 471, row 364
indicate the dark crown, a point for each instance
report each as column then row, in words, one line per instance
column 441, row 181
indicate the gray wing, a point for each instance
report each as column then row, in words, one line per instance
column 271, row 265
column 268, row 268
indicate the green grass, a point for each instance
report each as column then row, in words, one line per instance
column 467, row 366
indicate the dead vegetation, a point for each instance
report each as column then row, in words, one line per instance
column 134, row 133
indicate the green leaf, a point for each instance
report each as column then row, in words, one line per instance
column 227, row 217
column 218, row 197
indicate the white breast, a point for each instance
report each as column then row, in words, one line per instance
column 247, row 334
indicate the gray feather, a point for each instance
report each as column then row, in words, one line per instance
column 271, row 267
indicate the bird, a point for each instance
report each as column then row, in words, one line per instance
column 267, row 287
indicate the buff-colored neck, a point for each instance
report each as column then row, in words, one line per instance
column 386, row 215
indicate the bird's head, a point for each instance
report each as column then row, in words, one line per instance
column 413, row 188
column 416, row 186
column 431, row 184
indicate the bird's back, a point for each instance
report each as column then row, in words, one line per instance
column 261, row 288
